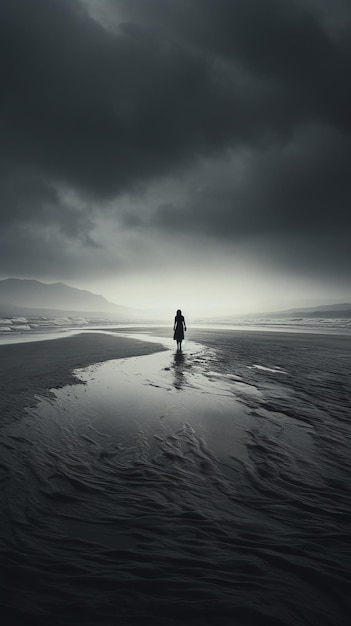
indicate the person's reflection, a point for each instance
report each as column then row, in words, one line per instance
column 179, row 366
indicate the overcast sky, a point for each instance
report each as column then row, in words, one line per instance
column 178, row 153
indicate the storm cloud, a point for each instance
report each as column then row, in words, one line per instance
column 154, row 120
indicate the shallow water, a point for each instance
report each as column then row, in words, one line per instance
column 210, row 487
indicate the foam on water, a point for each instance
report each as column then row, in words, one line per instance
column 38, row 327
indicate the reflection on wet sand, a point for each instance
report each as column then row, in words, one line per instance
column 178, row 367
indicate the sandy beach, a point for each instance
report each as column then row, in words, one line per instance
column 142, row 485
column 33, row 368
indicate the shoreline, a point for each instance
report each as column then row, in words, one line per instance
column 33, row 368
column 152, row 470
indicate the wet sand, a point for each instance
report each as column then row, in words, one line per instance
column 208, row 487
column 33, row 368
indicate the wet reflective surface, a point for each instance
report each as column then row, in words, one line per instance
column 205, row 487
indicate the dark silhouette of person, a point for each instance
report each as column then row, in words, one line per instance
column 179, row 327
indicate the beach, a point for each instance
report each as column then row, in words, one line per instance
column 29, row 369
column 144, row 485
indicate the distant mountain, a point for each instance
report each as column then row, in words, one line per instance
column 328, row 311
column 324, row 311
column 19, row 294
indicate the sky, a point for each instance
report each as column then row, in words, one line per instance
column 191, row 154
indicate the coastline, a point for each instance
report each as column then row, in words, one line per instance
column 29, row 369
column 170, row 480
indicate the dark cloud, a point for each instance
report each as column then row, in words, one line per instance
column 49, row 252
column 285, row 42
column 91, row 109
column 100, row 109
column 289, row 203
column 28, row 200
column 298, row 187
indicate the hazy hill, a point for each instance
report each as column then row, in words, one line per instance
column 328, row 311
column 342, row 310
column 31, row 294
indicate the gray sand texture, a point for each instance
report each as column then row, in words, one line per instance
column 205, row 487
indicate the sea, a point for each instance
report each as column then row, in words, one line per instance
column 20, row 328
column 201, row 487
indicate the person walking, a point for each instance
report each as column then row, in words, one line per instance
column 178, row 328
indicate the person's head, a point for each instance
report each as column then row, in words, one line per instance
column 179, row 312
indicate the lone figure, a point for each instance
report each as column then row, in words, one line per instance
column 179, row 327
